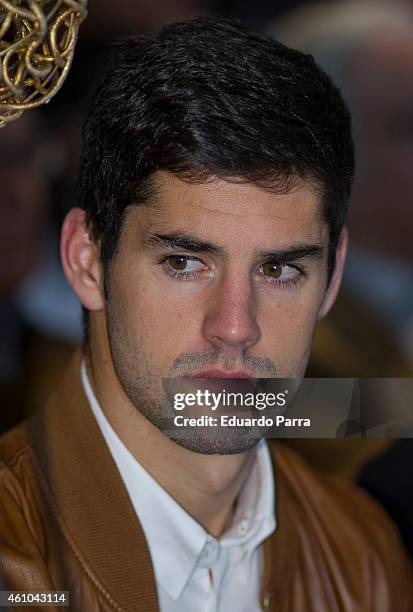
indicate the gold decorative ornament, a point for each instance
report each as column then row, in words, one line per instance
column 37, row 42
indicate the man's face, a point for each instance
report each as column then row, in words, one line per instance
column 215, row 278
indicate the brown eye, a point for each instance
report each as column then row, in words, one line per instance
column 178, row 262
column 183, row 266
column 273, row 270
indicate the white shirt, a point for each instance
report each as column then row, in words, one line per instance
column 193, row 570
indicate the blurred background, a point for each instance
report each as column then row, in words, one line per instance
column 367, row 47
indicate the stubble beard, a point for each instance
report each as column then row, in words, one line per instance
column 143, row 386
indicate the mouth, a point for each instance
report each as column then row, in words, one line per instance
column 223, row 374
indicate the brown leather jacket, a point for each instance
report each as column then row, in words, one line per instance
column 66, row 523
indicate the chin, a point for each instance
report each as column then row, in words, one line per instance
column 217, row 443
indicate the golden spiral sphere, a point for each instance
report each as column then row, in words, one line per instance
column 37, row 42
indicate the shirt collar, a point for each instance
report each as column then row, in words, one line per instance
column 254, row 517
column 174, row 538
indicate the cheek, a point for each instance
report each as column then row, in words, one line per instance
column 157, row 323
column 287, row 332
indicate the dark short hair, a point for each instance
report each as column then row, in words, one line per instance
column 209, row 97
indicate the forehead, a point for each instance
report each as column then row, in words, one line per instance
column 232, row 213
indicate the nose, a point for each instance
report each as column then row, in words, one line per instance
column 231, row 316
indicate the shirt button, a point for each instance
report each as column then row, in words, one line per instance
column 243, row 527
column 266, row 601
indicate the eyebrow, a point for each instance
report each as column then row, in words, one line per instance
column 182, row 241
column 195, row 245
column 294, row 253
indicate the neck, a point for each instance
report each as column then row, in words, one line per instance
column 206, row 486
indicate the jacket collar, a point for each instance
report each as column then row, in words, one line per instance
column 81, row 480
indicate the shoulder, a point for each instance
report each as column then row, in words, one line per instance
column 16, row 470
column 15, row 450
column 342, row 522
column 329, row 498
column 23, row 545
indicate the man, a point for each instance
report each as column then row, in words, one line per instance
column 208, row 241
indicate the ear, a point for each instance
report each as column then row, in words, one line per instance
column 81, row 260
column 335, row 281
